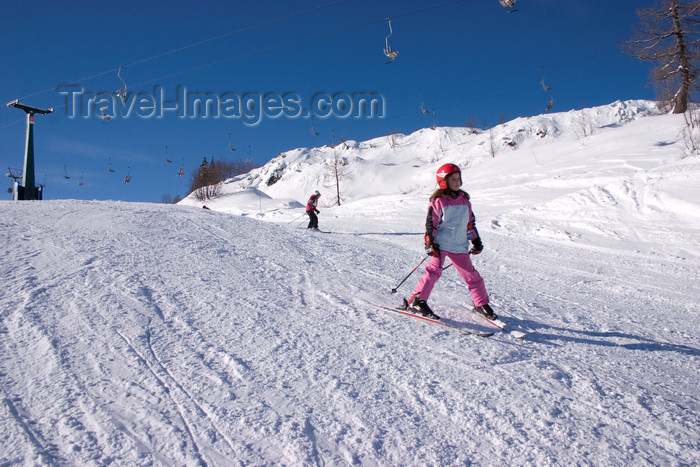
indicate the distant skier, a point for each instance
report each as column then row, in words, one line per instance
column 312, row 211
column 449, row 227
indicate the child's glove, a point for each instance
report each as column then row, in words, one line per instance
column 431, row 247
column 477, row 246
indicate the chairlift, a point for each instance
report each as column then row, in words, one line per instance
column 15, row 175
column 121, row 92
column 391, row 54
column 65, row 172
column 81, row 183
column 111, row 170
column 434, row 122
column 104, row 116
column 423, row 111
column 545, row 86
column 313, row 129
column 181, row 171
column 230, row 147
column 508, row 4
column 127, row 179
column 548, row 89
column 167, row 159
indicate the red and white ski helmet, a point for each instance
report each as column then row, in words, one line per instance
column 443, row 172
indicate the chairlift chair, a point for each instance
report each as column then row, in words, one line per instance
column 121, row 92
column 425, row 112
column 391, row 54
column 547, row 89
column 507, row 3
column 167, row 159
column 550, row 105
column 14, row 174
column 230, row 147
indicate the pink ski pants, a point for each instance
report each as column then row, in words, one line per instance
column 464, row 267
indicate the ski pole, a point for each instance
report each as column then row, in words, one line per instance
column 297, row 218
column 409, row 275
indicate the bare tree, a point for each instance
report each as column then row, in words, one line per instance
column 668, row 36
column 207, row 178
column 472, row 125
column 691, row 132
column 491, row 144
column 207, row 192
column 392, row 137
column 337, row 171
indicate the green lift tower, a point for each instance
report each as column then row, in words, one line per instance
column 28, row 191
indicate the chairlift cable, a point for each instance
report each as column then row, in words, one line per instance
column 268, row 49
column 189, row 46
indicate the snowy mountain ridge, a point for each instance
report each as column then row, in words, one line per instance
column 296, row 173
column 611, row 166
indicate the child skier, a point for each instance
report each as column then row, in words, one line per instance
column 312, row 211
column 449, row 227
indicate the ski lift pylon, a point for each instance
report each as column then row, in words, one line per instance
column 391, row 54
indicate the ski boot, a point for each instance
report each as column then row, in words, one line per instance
column 486, row 311
column 420, row 307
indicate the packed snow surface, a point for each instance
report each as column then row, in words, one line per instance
column 141, row 334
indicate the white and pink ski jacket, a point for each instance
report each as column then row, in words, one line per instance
column 451, row 224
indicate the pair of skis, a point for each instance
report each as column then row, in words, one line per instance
column 405, row 311
column 514, row 333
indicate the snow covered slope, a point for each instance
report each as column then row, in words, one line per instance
column 610, row 175
column 143, row 334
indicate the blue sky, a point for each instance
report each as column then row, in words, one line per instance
column 470, row 59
